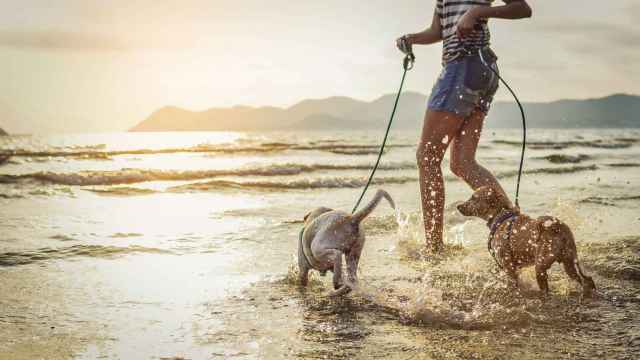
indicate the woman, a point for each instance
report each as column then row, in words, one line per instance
column 459, row 100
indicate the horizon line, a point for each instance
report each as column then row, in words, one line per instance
column 408, row 92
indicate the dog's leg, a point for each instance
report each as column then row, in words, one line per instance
column 570, row 269
column 542, row 279
column 507, row 264
column 352, row 268
column 572, row 265
column 543, row 264
column 303, row 277
column 513, row 276
column 337, row 269
column 338, row 284
column 303, row 267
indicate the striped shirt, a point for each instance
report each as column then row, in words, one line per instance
column 449, row 13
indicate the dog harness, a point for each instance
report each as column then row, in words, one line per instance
column 310, row 261
column 493, row 227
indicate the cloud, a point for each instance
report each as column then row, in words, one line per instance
column 608, row 42
column 633, row 10
column 591, row 31
column 60, row 40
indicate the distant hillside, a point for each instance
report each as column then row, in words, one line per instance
column 2, row 132
column 615, row 111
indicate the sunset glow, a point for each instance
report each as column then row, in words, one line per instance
column 104, row 66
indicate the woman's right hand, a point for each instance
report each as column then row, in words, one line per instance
column 407, row 40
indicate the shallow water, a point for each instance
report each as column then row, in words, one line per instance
column 182, row 245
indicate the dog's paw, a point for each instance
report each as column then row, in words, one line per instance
column 544, row 296
column 588, row 296
column 343, row 290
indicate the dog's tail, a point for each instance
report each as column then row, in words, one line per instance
column 365, row 211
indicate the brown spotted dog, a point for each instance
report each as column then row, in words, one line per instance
column 517, row 240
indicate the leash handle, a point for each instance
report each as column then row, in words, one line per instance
column 408, row 62
column 407, row 49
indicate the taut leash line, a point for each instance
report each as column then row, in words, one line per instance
column 524, row 125
column 384, row 141
column 407, row 64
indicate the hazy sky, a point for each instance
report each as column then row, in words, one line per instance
column 87, row 65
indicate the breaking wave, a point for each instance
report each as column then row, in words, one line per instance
column 548, row 171
column 99, row 153
column 559, row 145
column 132, row 176
column 321, row 183
column 122, row 191
column 565, row 159
column 346, row 182
column 608, row 201
column 623, row 165
column 46, row 254
column 562, row 170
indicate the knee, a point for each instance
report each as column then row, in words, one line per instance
column 428, row 156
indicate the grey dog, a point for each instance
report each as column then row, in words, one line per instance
column 328, row 235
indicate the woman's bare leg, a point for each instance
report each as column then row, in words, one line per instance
column 439, row 129
column 463, row 155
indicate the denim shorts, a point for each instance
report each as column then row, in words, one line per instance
column 465, row 85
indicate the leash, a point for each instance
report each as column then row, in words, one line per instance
column 509, row 217
column 407, row 64
column 524, row 125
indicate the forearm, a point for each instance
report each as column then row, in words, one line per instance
column 426, row 37
column 513, row 10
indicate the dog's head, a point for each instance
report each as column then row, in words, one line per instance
column 484, row 203
column 311, row 215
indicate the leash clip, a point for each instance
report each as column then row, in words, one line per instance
column 408, row 62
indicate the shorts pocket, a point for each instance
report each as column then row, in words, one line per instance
column 477, row 75
column 466, row 101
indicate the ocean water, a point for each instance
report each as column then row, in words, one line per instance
column 182, row 245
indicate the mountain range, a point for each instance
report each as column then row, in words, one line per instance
column 614, row 111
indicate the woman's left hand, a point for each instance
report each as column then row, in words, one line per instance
column 467, row 23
